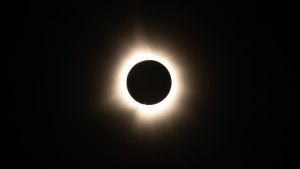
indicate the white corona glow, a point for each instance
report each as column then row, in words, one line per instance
column 147, row 112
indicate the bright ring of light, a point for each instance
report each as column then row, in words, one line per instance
column 166, row 106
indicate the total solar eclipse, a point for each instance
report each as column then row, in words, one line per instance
column 149, row 82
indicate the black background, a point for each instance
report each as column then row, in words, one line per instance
column 245, row 121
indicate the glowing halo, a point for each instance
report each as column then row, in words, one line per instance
column 163, row 108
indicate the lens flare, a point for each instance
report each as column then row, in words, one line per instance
column 148, row 112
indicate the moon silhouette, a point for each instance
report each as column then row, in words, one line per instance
column 149, row 82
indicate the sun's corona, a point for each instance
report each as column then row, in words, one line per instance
column 163, row 108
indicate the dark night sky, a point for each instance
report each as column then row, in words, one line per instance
column 243, row 120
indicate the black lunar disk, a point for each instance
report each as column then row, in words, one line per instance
column 149, row 82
